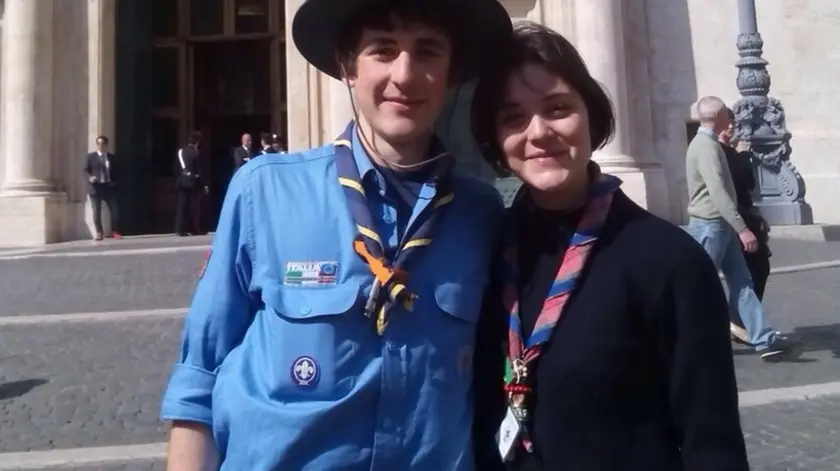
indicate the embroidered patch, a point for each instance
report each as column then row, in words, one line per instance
column 204, row 264
column 305, row 372
column 311, row 273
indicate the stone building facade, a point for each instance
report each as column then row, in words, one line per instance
column 65, row 78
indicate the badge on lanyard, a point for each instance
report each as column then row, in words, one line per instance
column 512, row 429
column 508, row 434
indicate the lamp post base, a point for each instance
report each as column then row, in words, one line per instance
column 778, row 212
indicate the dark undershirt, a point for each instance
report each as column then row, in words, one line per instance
column 545, row 236
column 402, row 189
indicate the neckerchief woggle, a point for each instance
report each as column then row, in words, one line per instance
column 389, row 286
column 522, row 353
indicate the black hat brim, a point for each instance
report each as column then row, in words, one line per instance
column 484, row 25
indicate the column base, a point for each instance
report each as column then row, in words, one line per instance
column 785, row 213
column 644, row 182
column 28, row 188
column 31, row 220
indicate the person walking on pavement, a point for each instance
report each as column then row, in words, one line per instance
column 718, row 226
column 739, row 161
column 334, row 325
column 101, row 172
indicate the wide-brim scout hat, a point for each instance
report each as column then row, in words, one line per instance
column 483, row 24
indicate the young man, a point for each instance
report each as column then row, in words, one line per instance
column 718, row 226
column 335, row 323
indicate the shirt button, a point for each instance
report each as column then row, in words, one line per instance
column 305, row 310
column 388, row 218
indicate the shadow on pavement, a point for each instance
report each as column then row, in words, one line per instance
column 809, row 339
column 818, row 338
column 15, row 389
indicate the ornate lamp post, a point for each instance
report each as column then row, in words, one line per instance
column 760, row 120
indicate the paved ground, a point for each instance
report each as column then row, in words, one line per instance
column 98, row 383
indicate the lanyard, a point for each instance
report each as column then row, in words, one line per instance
column 390, row 279
column 522, row 353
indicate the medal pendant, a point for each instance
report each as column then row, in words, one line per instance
column 517, row 405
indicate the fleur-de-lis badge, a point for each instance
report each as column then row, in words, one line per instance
column 305, row 372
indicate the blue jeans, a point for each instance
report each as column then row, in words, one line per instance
column 724, row 247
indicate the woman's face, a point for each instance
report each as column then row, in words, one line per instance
column 543, row 129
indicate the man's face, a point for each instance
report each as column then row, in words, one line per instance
column 722, row 122
column 101, row 145
column 246, row 140
column 726, row 135
column 400, row 80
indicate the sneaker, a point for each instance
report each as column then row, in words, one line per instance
column 98, row 236
column 781, row 348
column 739, row 335
column 116, row 235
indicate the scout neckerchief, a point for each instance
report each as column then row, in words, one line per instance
column 390, row 279
column 522, row 353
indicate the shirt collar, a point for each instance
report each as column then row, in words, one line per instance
column 367, row 172
column 707, row 132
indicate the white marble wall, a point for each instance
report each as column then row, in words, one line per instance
column 692, row 53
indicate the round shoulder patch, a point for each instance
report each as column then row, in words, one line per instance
column 305, row 372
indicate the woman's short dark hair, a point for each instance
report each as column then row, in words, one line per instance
column 536, row 44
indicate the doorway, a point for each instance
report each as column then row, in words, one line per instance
column 232, row 95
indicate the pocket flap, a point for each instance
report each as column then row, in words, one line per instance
column 300, row 302
column 461, row 300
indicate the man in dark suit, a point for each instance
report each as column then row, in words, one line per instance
column 100, row 170
column 267, row 143
column 190, row 186
column 242, row 154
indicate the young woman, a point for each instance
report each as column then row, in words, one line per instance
column 613, row 322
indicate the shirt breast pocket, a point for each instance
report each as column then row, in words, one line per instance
column 314, row 337
column 458, row 305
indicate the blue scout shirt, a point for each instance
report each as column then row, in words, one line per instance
column 277, row 355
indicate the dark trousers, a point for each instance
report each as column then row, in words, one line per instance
column 187, row 211
column 108, row 195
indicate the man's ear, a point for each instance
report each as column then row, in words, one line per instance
column 347, row 76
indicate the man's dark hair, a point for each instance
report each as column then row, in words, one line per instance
column 266, row 139
column 194, row 139
column 103, row 139
column 534, row 44
column 387, row 15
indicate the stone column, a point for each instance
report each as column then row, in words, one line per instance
column 31, row 210
column 599, row 36
column 26, row 97
column 339, row 108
